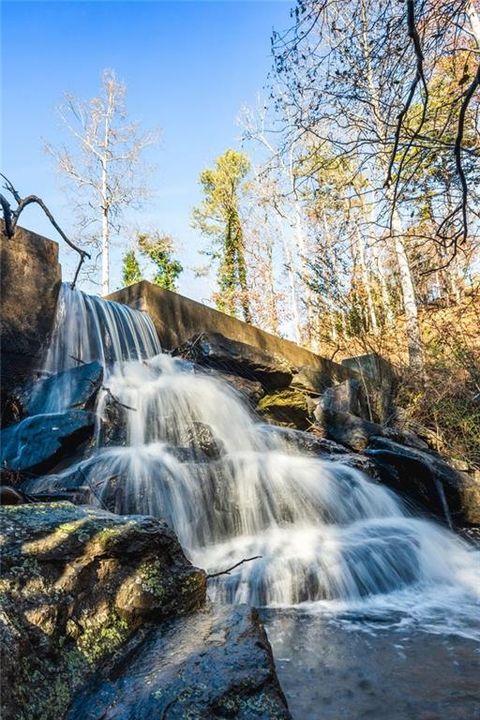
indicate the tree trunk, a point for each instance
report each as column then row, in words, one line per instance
column 414, row 340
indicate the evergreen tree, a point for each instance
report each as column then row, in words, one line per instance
column 159, row 249
column 218, row 217
column 131, row 272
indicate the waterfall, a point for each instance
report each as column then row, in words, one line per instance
column 195, row 454
column 88, row 328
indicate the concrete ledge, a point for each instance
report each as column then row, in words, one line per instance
column 177, row 318
column 30, row 280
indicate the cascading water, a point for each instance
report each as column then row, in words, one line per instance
column 329, row 538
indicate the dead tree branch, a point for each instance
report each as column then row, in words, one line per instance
column 11, row 218
column 229, row 570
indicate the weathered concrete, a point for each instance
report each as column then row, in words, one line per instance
column 177, row 319
column 30, row 278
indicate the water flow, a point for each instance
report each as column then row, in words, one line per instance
column 88, row 328
column 328, row 537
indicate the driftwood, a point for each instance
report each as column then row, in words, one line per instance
column 11, row 217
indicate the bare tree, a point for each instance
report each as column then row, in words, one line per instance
column 103, row 162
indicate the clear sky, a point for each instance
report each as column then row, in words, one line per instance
column 189, row 66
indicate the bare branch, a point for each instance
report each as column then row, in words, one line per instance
column 229, row 570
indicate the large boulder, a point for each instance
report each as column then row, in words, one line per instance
column 214, row 664
column 428, row 480
column 237, row 358
column 355, row 432
column 76, row 584
column 39, row 443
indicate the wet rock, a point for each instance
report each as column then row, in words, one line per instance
column 428, row 480
column 250, row 390
column 347, row 397
column 37, row 444
column 237, row 358
column 356, row 432
column 287, row 407
column 301, row 441
column 77, row 584
column 77, row 387
column 200, row 438
column 114, row 421
column 214, row 664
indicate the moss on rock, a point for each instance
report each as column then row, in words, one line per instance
column 289, row 407
column 76, row 584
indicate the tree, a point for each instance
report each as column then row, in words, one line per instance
column 159, row 249
column 103, row 162
column 359, row 77
column 218, row 217
column 131, row 272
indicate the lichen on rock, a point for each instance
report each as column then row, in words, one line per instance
column 64, row 601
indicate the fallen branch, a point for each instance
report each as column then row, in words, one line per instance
column 229, row 570
column 11, row 218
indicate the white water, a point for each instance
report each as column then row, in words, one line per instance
column 329, row 539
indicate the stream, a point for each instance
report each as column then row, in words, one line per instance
column 371, row 611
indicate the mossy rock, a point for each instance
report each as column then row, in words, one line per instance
column 76, row 584
column 289, row 407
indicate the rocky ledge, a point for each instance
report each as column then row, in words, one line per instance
column 81, row 589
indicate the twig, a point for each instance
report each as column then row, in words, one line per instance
column 229, row 570
column 116, row 400
column 78, row 360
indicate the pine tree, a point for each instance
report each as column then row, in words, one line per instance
column 131, row 272
column 218, row 217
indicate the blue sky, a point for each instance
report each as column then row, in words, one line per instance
column 188, row 67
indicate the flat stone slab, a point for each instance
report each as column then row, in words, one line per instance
column 36, row 444
column 213, row 664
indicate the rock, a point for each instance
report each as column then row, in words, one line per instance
column 346, row 429
column 379, row 378
column 200, row 438
column 214, row 664
column 301, row 441
column 9, row 496
column 251, row 390
column 31, row 278
column 37, row 444
column 315, row 380
column 77, row 583
column 75, row 388
column 346, row 397
column 233, row 357
column 114, row 421
column 288, row 407
column 355, row 432
column 428, row 480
